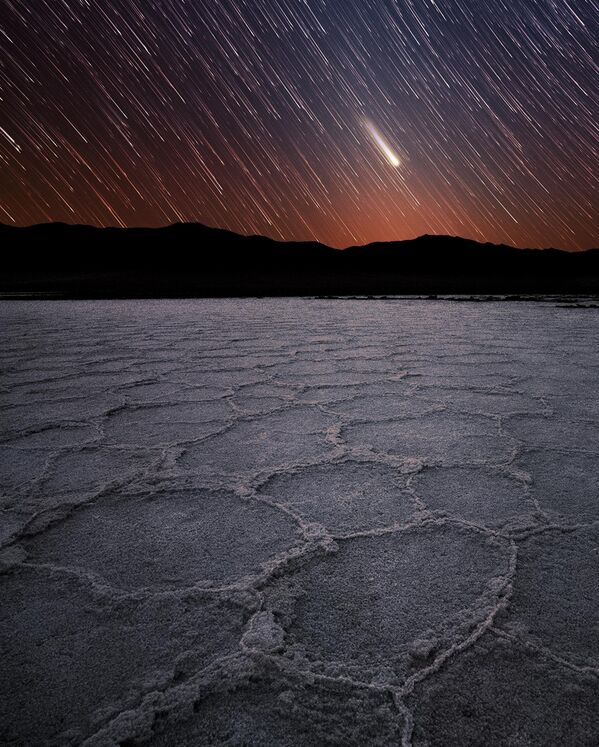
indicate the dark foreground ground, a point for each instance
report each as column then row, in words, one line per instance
column 293, row 522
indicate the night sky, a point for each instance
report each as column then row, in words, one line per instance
column 346, row 121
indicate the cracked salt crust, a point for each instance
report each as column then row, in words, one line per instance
column 283, row 522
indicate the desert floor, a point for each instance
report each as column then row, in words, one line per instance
column 299, row 522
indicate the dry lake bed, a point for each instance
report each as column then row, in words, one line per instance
column 299, row 522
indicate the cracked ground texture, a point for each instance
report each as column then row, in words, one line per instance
column 299, row 522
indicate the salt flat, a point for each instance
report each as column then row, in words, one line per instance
column 299, row 522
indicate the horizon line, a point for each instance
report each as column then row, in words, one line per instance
column 175, row 224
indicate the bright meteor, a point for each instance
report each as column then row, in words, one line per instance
column 383, row 145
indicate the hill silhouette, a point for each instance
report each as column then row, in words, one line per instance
column 193, row 260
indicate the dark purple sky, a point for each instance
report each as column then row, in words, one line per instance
column 346, row 121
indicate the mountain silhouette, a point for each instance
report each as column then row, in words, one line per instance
column 193, row 260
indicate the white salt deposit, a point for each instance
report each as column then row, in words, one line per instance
column 298, row 522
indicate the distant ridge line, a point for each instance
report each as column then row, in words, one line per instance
column 194, row 260
column 198, row 225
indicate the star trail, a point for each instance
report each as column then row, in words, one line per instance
column 345, row 121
